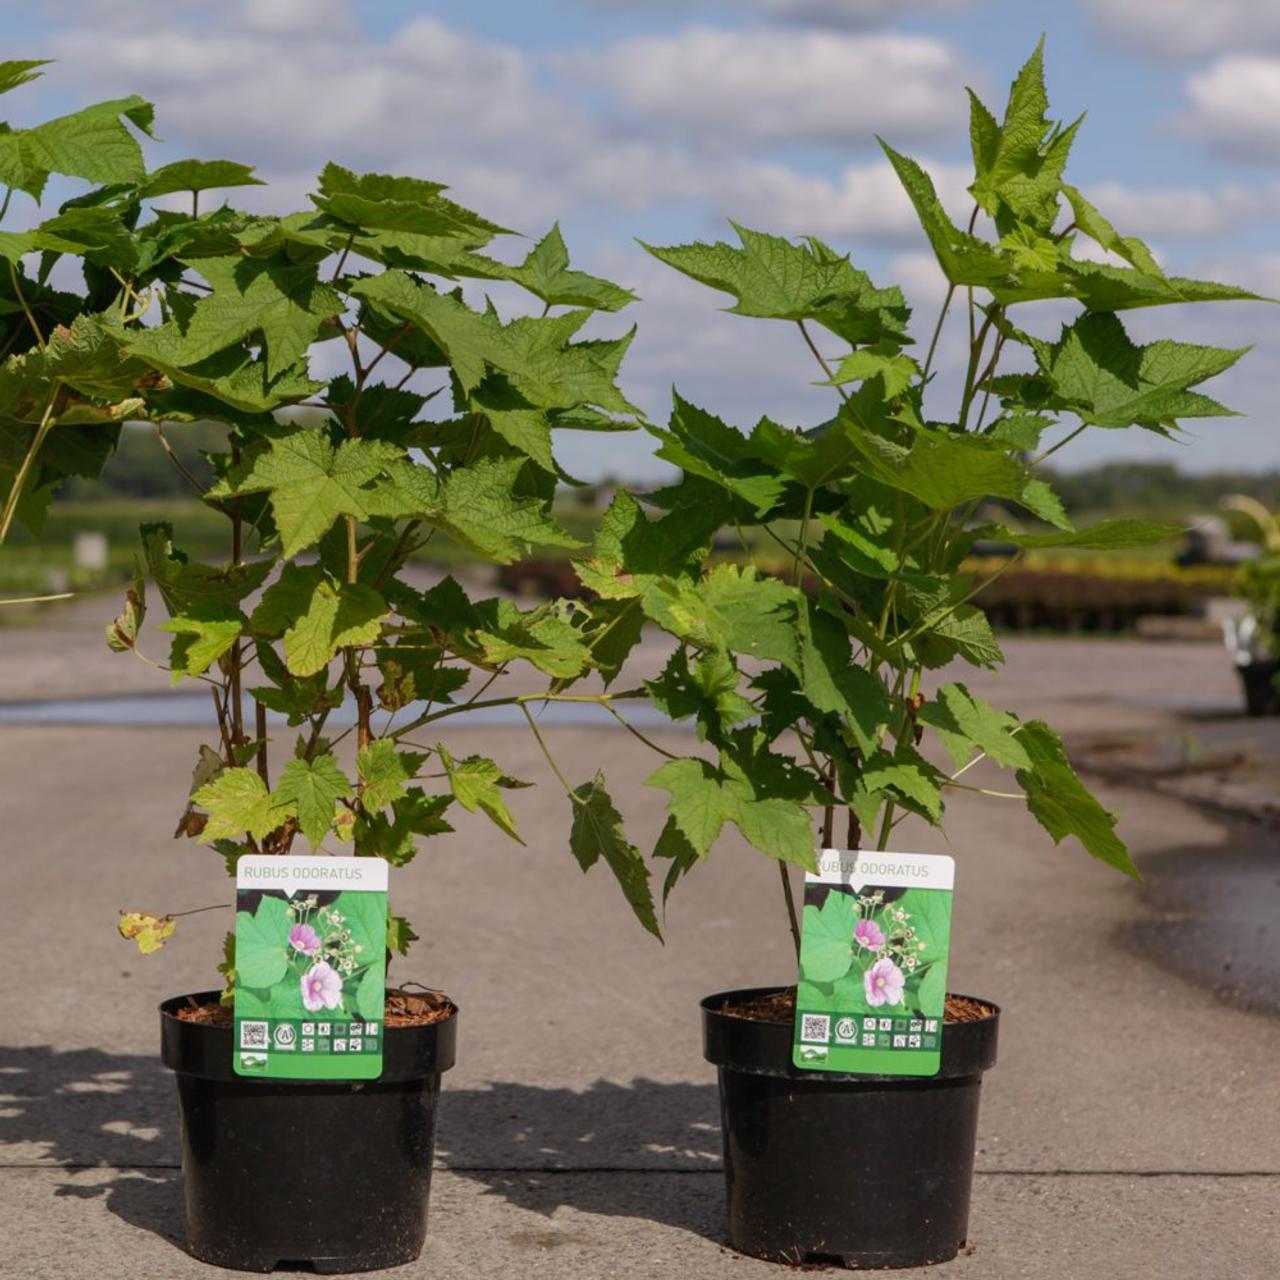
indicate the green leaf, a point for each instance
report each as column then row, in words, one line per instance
column 399, row 935
column 284, row 303
column 1097, row 228
column 14, row 73
column 1110, row 535
column 312, row 484
column 482, row 510
column 200, row 642
column 262, row 956
column 732, row 608
column 597, row 833
column 475, row 782
column 964, row 259
column 957, row 715
column 197, row 175
column 775, row 279
column 1097, row 373
column 318, row 617
column 545, row 638
column 703, row 798
column 630, row 550
column 1061, row 803
column 545, row 273
column 826, row 939
column 314, row 787
column 384, row 772
column 895, row 370
column 908, row 778
column 237, row 801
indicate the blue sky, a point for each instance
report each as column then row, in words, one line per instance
column 659, row 119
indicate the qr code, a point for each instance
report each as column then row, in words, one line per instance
column 253, row 1035
column 815, row 1028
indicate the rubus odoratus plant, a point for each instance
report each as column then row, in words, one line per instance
column 820, row 689
column 435, row 422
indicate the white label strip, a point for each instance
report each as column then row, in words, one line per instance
column 860, row 867
column 299, row 874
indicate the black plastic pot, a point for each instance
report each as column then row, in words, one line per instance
column 296, row 1172
column 853, row 1171
column 1257, row 683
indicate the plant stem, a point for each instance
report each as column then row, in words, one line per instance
column 821, row 359
column 28, row 461
column 937, row 333
column 260, row 732
column 1066, row 440
column 542, row 746
column 792, row 918
column 26, row 310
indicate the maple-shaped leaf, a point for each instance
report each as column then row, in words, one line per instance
column 597, row 832
column 198, row 642
column 703, row 798
column 238, row 802
column 188, row 587
column 148, row 932
column 1019, row 163
column 284, row 303
column 314, row 788
column 966, row 724
column 15, row 72
column 776, row 279
column 545, row 273
column 475, row 782
column 317, row 616
column 483, row 510
column 1092, row 224
column 312, row 483
column 384, row 772
column 630, row 550
column 963, row 257
column 732, row 608
column 378, row 200
column 93, row 143
column 895, row 370
column 1096, row 372
column 1061, row 803
column 197, row 175
column 544, row 637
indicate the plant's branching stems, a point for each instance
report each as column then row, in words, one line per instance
column 4, row 208
column 986, row 378
column 62, row 595
column 984, row 791
column 933, row 619
column 396, row 553
column 195, row 911
column 1066, row 440
column 975, row 358
column 28, row 461
column 260, row 730
column 959, row 773
column 342, row 258
column 518, row 700
column 550, row 759
column 26, row 310
column 635, row 733
column 391, row 345
column 937, row 333
column 820, row 358
column 177, row 462
column 227, row 749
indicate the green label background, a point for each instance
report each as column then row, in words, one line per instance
column 269, row 974
column 832, row 976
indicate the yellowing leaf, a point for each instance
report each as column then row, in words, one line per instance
column 149, row 932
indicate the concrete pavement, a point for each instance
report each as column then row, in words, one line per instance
column 1129, row 1128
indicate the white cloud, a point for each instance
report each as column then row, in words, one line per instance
column 855, row 15
column 761, row 86
column 1188, row 28
column 1184, row 213
column 1235, row 104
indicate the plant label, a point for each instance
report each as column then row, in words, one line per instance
column 873, row 963
column 311, row 967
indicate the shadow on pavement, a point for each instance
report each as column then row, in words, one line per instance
column 84, row 1109
column 526, row 1143
column 109, row 1123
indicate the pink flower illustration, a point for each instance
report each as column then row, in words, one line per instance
column 868, row 934
column 322, row 987
column 303, row 938
column 883, row 983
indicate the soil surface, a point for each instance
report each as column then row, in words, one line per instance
column 402, row 1009
column 780, row 1006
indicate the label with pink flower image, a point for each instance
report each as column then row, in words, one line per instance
column 873, row 963
column 310, row 964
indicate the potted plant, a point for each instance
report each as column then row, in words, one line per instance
column 334, row 671
column 1253, row 637
column 829, row 686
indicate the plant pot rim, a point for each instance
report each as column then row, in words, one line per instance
column 765, row 1048
column 205, row 1050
